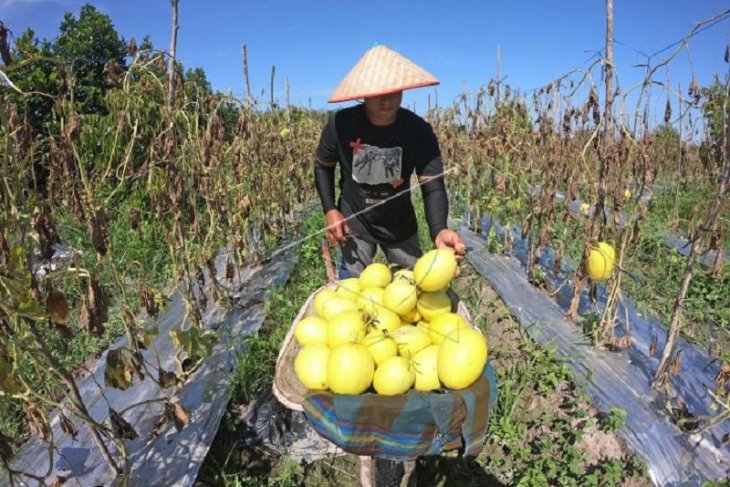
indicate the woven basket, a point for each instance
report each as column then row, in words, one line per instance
column 287, row 388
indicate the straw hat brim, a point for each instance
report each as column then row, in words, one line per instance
column 381, row 71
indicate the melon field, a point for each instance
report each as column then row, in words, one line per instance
column 158, row 238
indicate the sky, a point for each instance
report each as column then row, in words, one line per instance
column 315, row 43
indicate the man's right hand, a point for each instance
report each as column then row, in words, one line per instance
column 336, row 227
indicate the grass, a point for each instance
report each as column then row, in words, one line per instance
column 678, row 207
column 254, row 373
column 255, row 368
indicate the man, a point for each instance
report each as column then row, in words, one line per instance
column 378, row 146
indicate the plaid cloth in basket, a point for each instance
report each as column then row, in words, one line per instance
column 406, row 426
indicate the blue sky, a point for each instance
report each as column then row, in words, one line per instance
column 315, row 43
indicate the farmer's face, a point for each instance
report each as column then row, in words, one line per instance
column 384, row 108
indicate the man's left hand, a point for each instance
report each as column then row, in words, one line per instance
column 449, row 239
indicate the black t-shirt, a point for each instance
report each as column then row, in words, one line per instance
column 376, row 164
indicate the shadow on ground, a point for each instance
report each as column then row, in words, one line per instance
column 448, row 471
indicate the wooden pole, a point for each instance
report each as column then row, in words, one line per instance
column 171, row 61
column 593, row 227
column 607, row 122
column 499, row 71
column 273, row 75
column 245, row 74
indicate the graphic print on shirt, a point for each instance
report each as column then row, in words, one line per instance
column 375, row 165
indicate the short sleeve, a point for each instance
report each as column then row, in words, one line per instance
column 428, row 161
column 327, row 148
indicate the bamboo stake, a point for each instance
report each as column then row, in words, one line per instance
column 171, row 61
column 245, row 74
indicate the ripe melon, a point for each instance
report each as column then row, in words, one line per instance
column 432, row 304
column 394, row 376
column 375, row 275
column 310, row 366
column 350, row 369
column 461, row 358
column 435, row 269
column 600, row 262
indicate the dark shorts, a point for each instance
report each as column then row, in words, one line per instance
column 357, row 253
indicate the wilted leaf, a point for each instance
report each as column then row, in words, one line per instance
column 98, row 231
column 46, row 229
column 67, row 425
column 166, row 378
column 722, row 379
column 652, row 347
column 37, row 421
column 85, row 316
column 134, row 364
column 4, row 251
column 164, row 419
column 214, row 293
column 229, row 271
column 149, row 303
column 57, row 306
column 179, row 416
column 117, row 374
column 674, row 366
column 120, row 426
column 58, row 481
column 200, row 277
column 98, row 305
column 6, row 452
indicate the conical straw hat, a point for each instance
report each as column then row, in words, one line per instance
column 380, row 71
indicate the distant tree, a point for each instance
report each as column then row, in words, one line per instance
column 197, row 86
column 96, row 53
column 667, row 137
column 33, row 71
column 665, row 150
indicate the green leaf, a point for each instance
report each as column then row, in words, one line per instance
column 30, row 308
column 194, row 342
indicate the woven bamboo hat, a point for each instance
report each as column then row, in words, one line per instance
column 381, row 71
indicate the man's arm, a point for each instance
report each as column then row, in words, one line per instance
column 324, row 181
column 436, row 206
column 435, row 203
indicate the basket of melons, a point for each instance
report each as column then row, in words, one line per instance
column 383, row 333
